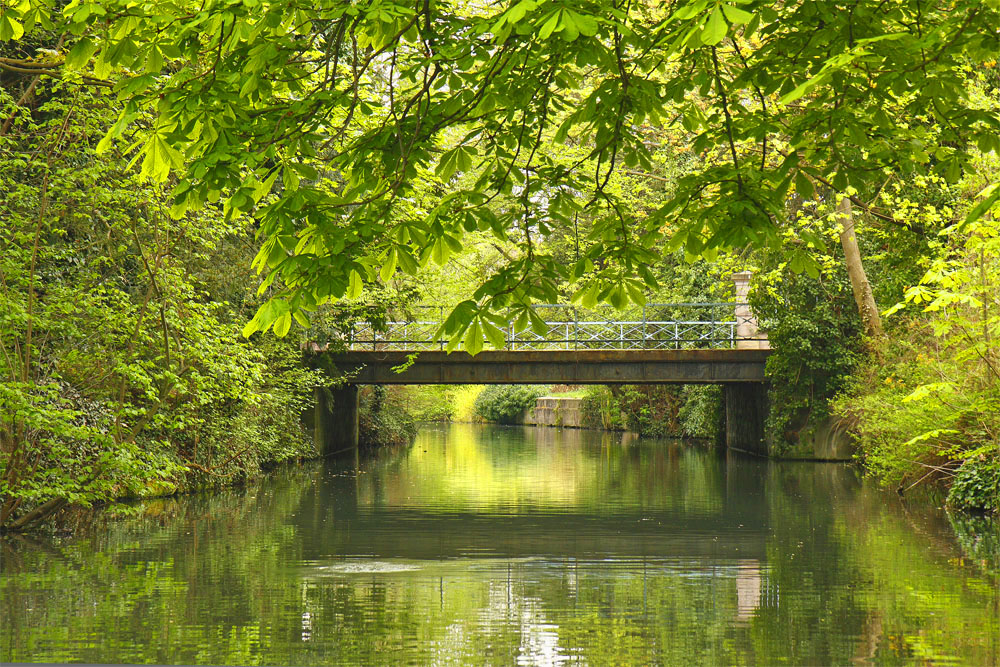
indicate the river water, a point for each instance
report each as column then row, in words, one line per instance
column 521, row 545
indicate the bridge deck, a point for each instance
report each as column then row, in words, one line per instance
column 554, row 366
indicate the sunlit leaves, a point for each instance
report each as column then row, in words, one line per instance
column 327, row 122
column 159, row 157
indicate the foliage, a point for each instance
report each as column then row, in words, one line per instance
column 599, row 409
column 649, row 410
column 383, row 418
column 701, row 413
column 442, row 402
column 932, row 410
column 653, row 410
column 506, row 403
column 976, row 485
column 122, row 368
column 815, row 333
column 371, row 137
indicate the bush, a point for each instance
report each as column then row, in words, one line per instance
column 505, row 403
column 600, row 409
column 443, row 403
column 651, row 409
column 701, row 414
column 976, row 485
column 383, row 420
column 815, row 333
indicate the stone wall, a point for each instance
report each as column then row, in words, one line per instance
column 555, row 411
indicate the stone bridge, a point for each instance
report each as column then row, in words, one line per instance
column 664, row 344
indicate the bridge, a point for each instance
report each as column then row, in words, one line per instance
column 686, row 343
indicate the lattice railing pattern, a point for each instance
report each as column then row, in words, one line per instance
column 654, row 327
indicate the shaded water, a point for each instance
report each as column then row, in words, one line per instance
column 515, row 546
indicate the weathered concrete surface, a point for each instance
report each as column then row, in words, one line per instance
column 335, row 420
column 746, row 407
column 828, row 440
column 555, row 411
column 555, row 366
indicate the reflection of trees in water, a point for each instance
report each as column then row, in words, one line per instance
column 979, row 538
column 125, row 581
column 652, row 553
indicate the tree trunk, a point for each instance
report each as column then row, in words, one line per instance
column 863, row 296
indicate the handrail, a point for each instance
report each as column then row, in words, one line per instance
column 727, row 325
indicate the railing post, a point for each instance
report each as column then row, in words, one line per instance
column 677, row 336
column 643, row 345
column 711, row 329
column 576, row 329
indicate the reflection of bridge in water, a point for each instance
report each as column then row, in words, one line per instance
column 688, row 343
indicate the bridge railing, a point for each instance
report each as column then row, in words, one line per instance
column 652, row 327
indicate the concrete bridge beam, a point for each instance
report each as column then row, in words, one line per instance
column 335, row 420
column 746, row 409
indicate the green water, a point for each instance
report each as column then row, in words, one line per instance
column 515, row 546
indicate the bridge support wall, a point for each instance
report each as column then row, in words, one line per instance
column 335, row 420
column 746, row 408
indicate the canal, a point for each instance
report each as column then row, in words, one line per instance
column 520, row 545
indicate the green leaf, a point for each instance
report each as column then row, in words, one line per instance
column 586, row 24
column 736, row 15
column 354, row 285
column 617, row 297
column 9, row 28
column 81, row 53
column 252, row 326
column 154, row 60
column 992, row 196
column 159, row 158
column 804, row 186
column 715, row 30
column 388, row 266
column 282, row 325
column 440, row 251
column 538, row 325
column 474, row 338
column 549, row 24
column 496, row 336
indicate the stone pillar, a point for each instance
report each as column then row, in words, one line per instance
column 335, row 420
column 748, row 336
column 746, row 410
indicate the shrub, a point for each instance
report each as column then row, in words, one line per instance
column 815, row 332
column 600, row 409
column 700, row 415
column 976, row 485
column 505, row 403
column 651, row 409
column 383, row 421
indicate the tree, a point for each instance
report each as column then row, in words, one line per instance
column 343, row 110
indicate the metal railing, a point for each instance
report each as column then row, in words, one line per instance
column 652, row 327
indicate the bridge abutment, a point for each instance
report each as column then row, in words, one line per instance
column 746, row 409
column 335, row 420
